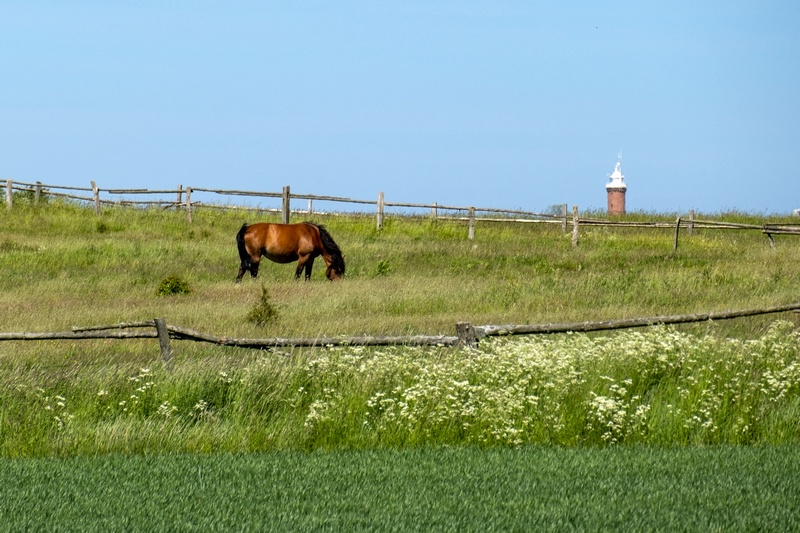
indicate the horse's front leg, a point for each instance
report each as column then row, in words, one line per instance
column 309, row 266
column 304, row 263
column 301, row 264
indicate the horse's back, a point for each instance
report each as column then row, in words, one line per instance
column 283, row 242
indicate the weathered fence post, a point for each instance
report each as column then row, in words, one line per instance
column 9, row 201
column 96, row 194
column 163, row 342
column 574, row 226
column 435, row 210
column 690, row 225
column 180, row 197
column 379, row 216
column 37, row 195
column 471, row 223
column 310, row 207
column 189, row 205
column 286, row 200
column 771, row 240
column 466, row 334
column 677, row 230
column 563, row 218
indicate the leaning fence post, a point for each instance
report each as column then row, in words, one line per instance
column 574, row 226
column 379, row 216
column 96, row 194
column 286, row 199
column 771, row 240
column 677, row 228
column 466, row 334
column 163, row 342
column 9, row 201
column 471, row 223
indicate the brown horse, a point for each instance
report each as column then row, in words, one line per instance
column 286, row 243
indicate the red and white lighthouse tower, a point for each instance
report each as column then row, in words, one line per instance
column 616, row 190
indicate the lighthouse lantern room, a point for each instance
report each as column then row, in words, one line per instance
column 616, row 190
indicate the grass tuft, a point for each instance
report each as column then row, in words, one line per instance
column 264, row 312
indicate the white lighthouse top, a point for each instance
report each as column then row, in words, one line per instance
column 617, row 179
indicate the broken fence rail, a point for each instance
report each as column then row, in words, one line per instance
column 466, row 333
column 630, row 322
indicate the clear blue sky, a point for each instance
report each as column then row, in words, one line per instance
column 512, row 104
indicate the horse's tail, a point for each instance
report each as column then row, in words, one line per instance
column 337, row 260
column 243, row 255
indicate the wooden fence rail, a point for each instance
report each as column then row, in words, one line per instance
column 466, row 333
column 184, row 200
column 630, row 322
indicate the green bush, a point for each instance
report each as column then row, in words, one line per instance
column 173, row 285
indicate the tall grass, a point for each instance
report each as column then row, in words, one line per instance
column 657, row 386
column 732, row 382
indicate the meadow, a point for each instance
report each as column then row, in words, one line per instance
column 677, row 388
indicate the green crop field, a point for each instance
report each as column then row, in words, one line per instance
column 722, row 396
column 519, row 489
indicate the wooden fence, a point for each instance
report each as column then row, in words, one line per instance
column 466, row 333
column 184, row 199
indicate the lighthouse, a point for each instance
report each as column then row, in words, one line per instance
column 616, row 190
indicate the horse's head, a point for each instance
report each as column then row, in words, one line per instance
column 335, row 270
column 334, row 274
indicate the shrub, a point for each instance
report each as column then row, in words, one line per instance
column 173, row 285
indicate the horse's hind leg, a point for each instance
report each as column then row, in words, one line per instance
column 252, row 268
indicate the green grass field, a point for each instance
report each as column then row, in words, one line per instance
column 520, row 489
column 645, row 400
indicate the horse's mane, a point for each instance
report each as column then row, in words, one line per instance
column 337, row 260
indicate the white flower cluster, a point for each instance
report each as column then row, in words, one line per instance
column 57, row 407
column 145, row 382
column 618, row 414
